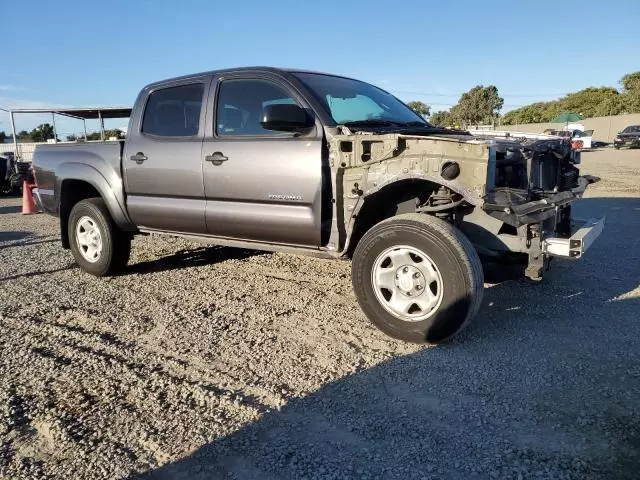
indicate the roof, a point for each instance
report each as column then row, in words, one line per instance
column 81, row 113
column 240, row 70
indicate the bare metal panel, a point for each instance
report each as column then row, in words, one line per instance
column 578, row 243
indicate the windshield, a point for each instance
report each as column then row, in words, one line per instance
column 351, row 101
column 632, row 129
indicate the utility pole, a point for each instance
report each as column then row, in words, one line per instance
column 15, row 138
column 55, row 132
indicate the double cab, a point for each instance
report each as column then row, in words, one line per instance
column 318, row 164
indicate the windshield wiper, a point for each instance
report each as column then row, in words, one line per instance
column 380, row 122
column 417, row 123
column 373, row 122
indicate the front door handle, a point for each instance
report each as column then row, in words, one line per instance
column 216, row 158
column 139, row 158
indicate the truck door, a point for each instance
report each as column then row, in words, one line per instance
column 260, row 185
column 162, row 162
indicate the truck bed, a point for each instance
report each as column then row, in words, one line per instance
column 103, row 156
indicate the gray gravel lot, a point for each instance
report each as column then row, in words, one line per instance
column 203, row 362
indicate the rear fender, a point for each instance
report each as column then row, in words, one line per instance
column 112, row 192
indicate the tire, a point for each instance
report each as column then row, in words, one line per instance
column 86, row 217
column 443, row 266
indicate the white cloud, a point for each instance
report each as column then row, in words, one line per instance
column 10, row 102
column 8, row 87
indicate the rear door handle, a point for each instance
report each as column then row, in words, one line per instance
column 139, row 158
column 216, row 158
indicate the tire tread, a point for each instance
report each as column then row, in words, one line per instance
column 466, row 253
column 120, row 241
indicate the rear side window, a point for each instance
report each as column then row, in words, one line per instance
column 174, row 111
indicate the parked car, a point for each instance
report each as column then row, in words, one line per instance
column 12, row 174
column 582, row 139
column 323, row 165
column 629, row 137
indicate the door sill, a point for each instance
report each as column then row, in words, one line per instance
column 248, row 244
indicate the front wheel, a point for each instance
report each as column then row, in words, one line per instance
column 417, row 278
column 97, row 245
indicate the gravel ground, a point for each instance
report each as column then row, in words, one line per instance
column 211, row 363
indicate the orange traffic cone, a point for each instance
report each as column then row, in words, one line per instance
column 28, row 205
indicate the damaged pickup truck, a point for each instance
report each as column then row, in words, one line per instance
column 317, row 164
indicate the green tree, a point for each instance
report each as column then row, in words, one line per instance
column 107, row 134
column 420, row 108
column 534, row 113
column 72, row 138
column 441, row 119
column 113, row 133
column 42, row 133
column 631, row 82
column 590, row 102
column 3, row 137
column 631, row 92
column 23, row 135
column 478, row 106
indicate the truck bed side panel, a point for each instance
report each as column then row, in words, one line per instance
column 96, row 163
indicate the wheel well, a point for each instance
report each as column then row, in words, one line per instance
column 395, row 199
column 71, row 192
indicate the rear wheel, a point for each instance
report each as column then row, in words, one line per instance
column 417, row 278
column 98, row 246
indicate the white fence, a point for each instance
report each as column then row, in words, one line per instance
column 605, row 128
column 24, row 153
column 25, row 150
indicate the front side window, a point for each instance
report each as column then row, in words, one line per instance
column 353, row 101
column 241, row 104
column 174, row 111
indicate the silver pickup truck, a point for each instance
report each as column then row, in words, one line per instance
column 317, row 164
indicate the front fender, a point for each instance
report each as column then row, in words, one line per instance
column 357, row 200
column 470, row 196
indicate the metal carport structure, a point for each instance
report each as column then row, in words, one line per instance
column 80, row 113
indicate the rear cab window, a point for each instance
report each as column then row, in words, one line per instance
column 174, row 111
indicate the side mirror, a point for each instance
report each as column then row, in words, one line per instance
column 286, row 118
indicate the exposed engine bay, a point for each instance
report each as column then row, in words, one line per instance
column 533, row 179
column 509, row 195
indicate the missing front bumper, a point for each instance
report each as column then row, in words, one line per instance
column 514, row 207
column 578, row 243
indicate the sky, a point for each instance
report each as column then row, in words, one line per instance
column 81, row 53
